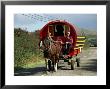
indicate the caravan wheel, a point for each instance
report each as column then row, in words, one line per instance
column 72, row 64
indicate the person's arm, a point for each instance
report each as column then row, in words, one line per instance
column 72, row 40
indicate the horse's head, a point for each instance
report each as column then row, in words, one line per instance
column 55, row 48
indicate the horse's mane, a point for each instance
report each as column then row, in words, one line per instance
column 55, row 48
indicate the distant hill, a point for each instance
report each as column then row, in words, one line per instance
column 86, row 32
column 90, row 34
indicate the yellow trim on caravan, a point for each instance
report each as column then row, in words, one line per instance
column 80, row 41
column 79, row 44
column 81, row 37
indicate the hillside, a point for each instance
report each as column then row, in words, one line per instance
column 90, row 36
column 86, row 32
column 26, row 52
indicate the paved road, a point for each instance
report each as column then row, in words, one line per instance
column 88, row 67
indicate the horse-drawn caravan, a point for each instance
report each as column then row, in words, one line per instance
column 54, row 42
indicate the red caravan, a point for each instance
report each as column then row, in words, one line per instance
column 64, row 27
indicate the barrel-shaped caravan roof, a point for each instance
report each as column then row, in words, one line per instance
column 44, row 30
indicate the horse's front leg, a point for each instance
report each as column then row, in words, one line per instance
column 55, row 66
column 46, row 63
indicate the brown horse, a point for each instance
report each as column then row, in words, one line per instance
column 54, row 51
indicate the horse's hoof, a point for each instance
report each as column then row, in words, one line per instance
column 55, row 70
column 47, row 72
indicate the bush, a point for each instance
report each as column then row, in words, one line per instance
column 26, row 48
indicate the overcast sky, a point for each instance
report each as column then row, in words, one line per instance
column 32, row 22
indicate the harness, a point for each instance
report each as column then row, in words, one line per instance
column 50, row 42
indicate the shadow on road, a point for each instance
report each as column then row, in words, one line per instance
column 91, row 66
column 29, row 71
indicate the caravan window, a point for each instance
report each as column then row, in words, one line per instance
column 59, row 30
column 67, row 29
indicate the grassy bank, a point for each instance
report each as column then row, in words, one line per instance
column 26, row 52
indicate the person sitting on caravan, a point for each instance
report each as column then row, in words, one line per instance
column 69, row 42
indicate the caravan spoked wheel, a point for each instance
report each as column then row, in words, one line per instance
column 78, row 62
column 72, row 64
